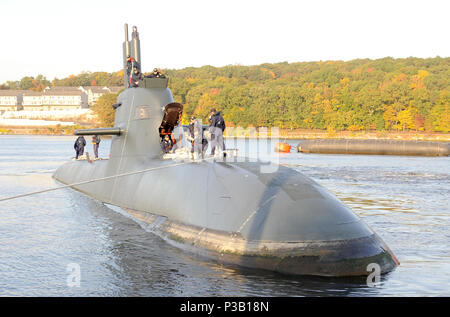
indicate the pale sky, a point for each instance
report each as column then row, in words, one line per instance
column 59, row 38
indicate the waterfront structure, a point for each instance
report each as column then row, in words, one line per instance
column 95, row 92
column 64, row 100
column 92, row 92
column 53, row 98
column 11, row 100
column 32, row 101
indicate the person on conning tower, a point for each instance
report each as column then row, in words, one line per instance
column 135, row 78
column 156, row 74
column 131, row 63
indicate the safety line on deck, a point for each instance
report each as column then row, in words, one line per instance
column 93, row 180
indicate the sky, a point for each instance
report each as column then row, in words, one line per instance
column 59, row 38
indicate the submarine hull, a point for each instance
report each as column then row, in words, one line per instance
column 231, row 212
column 374, row 147
column 319, row 258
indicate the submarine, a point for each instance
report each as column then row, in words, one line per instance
column 374, row 147
column 231, row 211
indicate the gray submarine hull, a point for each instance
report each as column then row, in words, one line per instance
column 231, row 211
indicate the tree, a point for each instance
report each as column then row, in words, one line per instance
column 104, row 110
column 407, row 118
column 440, row 115
column 419, row 121
column 390, row 117
column 387, row 93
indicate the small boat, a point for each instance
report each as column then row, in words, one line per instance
column 282, row 147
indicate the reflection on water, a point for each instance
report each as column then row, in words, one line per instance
column 404, row 199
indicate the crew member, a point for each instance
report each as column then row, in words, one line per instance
column 216, row 127
column 197, row 138
column 166, row 144
column 156, row 74
column 96, row 143
column 131, row 64
column 79, row 145
column 135, row 78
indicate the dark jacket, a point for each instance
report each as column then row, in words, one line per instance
column 79, row 143
column 157, row 75
column 135, row 77
column 166, row 145
column 131, row 63
column 217, row 121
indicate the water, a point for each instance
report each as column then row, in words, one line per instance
column 404, row 199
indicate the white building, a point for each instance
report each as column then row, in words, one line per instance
column 64, row 100
column 11, row 100
column 54, row 100
column 95, row 92
column 32, row 101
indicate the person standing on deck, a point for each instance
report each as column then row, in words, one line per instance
column 135, row 78
column 217, row 127
column 96, row 143
column 79, row 145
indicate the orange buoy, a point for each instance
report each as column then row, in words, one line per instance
column 282, row 147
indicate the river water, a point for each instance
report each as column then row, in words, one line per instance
column 404, row 199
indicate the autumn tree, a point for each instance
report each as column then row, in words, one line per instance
column 387, row 93
column 104, row 110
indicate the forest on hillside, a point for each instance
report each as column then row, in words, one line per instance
column 383, row 94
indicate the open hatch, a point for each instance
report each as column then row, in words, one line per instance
column 172, row 116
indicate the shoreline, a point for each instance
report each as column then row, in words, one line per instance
column 287, row 134
column 284, row 134
column 366, row 135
